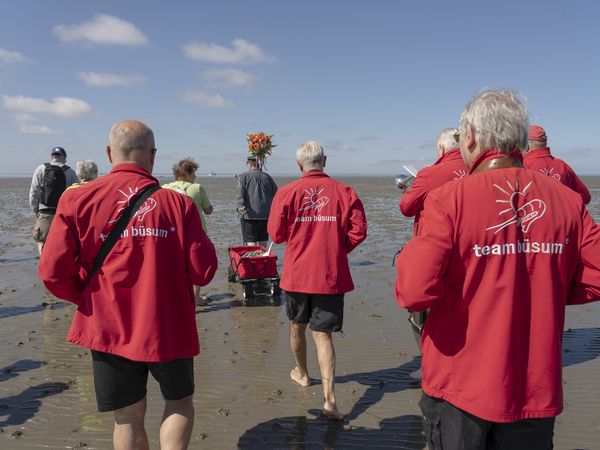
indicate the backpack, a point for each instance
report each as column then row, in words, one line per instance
column 54, row 184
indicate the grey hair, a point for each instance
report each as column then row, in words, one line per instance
column 86, row 170
column 499, row 120
column 310, row 153
column 447, row 138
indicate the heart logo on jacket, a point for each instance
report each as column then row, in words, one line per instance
column 146, row 207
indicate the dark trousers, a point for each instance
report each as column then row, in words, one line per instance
column 447, row 427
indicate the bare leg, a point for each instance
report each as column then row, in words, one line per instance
column 177, row 424
column 201, row 300
column 40, row 246
column 253, row 244
column 129, row 431
column 326, row 357
column 298, row 345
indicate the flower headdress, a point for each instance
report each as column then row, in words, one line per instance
column 260, row 145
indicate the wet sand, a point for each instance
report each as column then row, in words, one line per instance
column 244, row 397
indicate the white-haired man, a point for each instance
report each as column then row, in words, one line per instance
column 321, row 220
column 449, row 166
column 501, row 253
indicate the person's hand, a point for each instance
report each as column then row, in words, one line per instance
column 241, row 210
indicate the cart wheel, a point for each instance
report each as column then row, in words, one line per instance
column 230, row 275
column 247, row 291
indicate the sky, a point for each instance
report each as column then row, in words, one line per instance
column 373, row 82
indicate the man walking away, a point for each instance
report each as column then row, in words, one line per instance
column 321, row 220
column 136, row 312
column 48, row 183
column 256, row 190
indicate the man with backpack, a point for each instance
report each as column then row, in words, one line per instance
column 47, row 185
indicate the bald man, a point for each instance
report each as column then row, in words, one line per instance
column 128, row 309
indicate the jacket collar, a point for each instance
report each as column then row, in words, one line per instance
column 542, row 152
column 451, row 154
column 494, row 153
column 314, row 174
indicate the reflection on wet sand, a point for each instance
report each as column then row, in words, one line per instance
column 244, row 397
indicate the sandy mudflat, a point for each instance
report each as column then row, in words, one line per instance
column 244, row 398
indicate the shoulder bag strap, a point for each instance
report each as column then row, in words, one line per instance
column 121, row 224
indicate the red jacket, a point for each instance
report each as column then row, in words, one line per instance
column 140, row 303
column 448, row 167
column 500, row 255
column 322, row 220
column 541, row 159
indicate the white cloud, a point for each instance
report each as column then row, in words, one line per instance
column 103, row 30
column 12, row 57
column 59, row 106
column 37, row 129
column 108, row 79
column 228, row 78
column 206, row 100
column 241, row 52
column 30, row 124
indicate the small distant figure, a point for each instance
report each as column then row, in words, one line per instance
column 256, row 190
column 48, row 183
column 86, row 170
column 537, row 156
column 136, row 313
column 448, row 167
column 185, row 175
column 321, row 220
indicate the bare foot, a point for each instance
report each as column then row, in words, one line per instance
column 202, row 300
column 330, row 410
column 298, row 377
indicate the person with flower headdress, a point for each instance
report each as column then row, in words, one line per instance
column 256, row 190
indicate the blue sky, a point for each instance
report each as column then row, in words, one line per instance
column 373, row 82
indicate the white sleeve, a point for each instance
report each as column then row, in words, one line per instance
column 35, row 189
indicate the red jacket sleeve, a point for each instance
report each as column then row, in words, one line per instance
column 586, row 283
column 413, row 199
column 59, row 268
column 277, row 226
column 202, row 258
column 578, row 186
column 422, row 263
column 357, row 224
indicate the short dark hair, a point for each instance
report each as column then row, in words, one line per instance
column 185, row 167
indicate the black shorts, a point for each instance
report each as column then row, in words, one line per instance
column 324, row 312
column 254, row 230
column 121, row 382
column 446, row 426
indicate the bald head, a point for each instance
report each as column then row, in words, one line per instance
column 132, row 142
